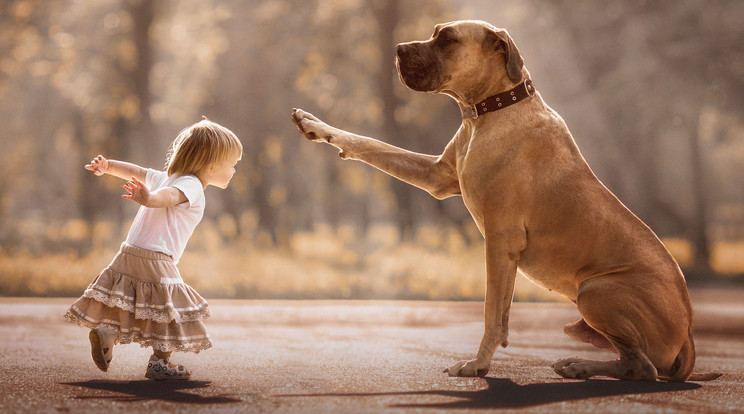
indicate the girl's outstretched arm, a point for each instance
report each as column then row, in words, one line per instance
column 160, row 198
column 124, row 170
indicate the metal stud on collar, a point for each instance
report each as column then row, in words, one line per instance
column 525, row 90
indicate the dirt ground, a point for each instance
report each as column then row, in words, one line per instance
column 356, row 357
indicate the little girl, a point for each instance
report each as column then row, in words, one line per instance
column 140, row 297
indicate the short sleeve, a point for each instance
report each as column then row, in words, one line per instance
column 155, row 178
column 190, row 186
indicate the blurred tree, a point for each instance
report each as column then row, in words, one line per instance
column 251, row 94
column 360, row 68
column 386, row 13
column 122, row 77
column 136, row 134
column 635, row 57
column 81, row 74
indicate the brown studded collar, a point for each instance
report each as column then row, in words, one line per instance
column 499, row 101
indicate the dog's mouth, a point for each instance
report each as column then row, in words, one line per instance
column 406, row 72
column 416, row 72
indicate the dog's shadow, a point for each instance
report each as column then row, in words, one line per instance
column 504, row 393
column 145, row 390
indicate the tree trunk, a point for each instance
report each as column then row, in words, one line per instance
column 700, row 219
column 386, row 14
column 141, row 133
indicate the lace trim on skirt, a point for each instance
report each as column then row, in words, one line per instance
column 140, row 297
column 127, row 293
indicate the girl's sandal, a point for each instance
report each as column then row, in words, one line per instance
column 101, row 348
column 159, row 369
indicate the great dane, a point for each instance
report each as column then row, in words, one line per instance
column 539, row 207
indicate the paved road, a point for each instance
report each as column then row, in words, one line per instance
column 355, row 357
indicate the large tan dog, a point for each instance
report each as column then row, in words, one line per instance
column 539, row 207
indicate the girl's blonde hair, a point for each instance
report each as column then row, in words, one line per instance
column 203, row 144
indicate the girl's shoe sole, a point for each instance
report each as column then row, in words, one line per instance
column 96, row 351
column 165, row 378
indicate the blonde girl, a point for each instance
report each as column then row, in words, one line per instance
column 140, row 297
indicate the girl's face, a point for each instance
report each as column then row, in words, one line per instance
column 222, row 174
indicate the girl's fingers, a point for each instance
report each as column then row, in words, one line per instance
column 95, row 167
column 134, row 185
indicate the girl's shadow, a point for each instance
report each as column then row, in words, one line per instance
column 132, row 391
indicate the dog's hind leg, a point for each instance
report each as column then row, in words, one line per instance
column 632, row 321
column 582, row 332
column 633, row 364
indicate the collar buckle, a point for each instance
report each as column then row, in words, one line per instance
column 529, row 87
column 469, row 111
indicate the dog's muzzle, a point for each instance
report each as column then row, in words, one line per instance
column 418, row 67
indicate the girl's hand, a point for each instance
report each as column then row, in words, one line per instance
column 98, row 165
column 138, row 192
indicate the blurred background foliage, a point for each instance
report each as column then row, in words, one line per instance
column 653, row 92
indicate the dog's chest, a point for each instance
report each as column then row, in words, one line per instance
column 487, row 161
column 485, row 169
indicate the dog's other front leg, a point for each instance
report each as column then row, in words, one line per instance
column 502, row 257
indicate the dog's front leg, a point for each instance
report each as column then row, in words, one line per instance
column 502, row 257
column 435, row 174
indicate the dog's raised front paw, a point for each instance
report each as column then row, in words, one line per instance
column 310, row 125
column 467, row 369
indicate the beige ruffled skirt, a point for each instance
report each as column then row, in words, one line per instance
column 140, row 297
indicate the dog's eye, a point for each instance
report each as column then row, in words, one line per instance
column 445, row 38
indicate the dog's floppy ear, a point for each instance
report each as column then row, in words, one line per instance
column 514, row 62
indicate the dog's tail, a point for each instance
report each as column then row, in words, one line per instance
column 681, row 369
column 707, row 376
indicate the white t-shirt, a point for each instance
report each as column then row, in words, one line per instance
column 167, row 230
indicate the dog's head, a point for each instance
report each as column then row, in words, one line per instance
column 462, row 59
